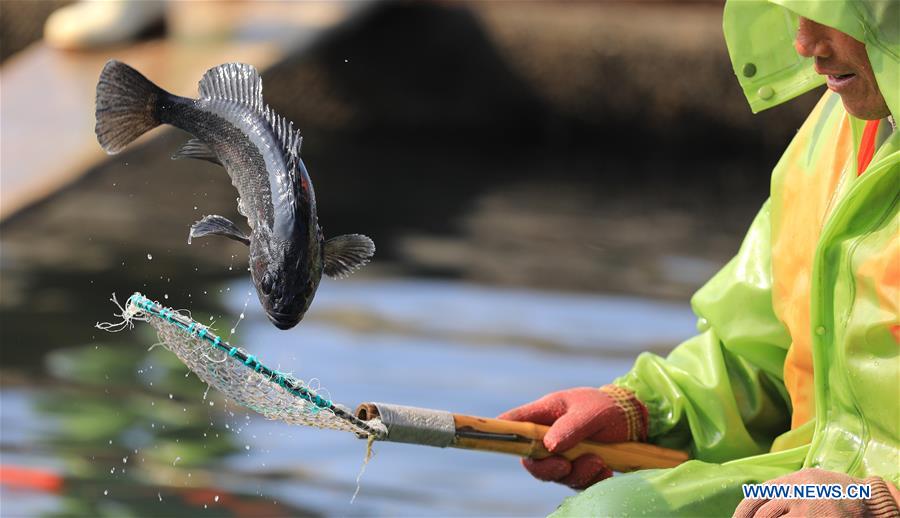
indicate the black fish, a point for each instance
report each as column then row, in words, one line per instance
column 261, row 153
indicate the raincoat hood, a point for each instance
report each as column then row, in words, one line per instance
column 760, row 36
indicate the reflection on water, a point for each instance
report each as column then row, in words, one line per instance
column 132, row 432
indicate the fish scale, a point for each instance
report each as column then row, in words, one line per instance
column 245, row 166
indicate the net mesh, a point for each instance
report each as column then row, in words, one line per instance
column 240, row 376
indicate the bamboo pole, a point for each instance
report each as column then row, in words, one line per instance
column 626, row 456
column 442, row 429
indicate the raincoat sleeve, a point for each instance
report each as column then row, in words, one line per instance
column 721, row 393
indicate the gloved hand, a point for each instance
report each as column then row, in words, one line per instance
column 608, row 414
column 882, row 504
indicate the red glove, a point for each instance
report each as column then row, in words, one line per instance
column 882, row 504
column 610, row 414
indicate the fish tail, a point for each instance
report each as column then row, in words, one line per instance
column 127, row 106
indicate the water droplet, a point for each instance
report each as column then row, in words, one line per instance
column 149, row 257
column 216, row 498
column 212, row 403
column 247, row 447
column 158, row 495
column 170, row 396
column 124, row 460
column 166, row 296
column 105, row 492
column 176, row 460
column 242, row 316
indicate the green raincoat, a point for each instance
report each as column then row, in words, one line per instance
column 796, row 361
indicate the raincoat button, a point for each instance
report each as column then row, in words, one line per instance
column 765, row 93
column 749, row 70
column 820, row 330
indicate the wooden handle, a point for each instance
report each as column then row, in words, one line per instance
column 625, row 456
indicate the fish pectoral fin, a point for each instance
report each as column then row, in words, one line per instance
column 219, row 226
column 197, row 149
column 346, row 254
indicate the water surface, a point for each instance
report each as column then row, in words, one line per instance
column 132, row 432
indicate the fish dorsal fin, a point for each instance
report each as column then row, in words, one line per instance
column 236, row 82
column 241, row 83
column 290, row 139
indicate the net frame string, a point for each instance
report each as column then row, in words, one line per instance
column 285, row 381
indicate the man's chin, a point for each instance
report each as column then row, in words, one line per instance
column 864, row 110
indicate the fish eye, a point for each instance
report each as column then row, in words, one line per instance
column 266, row 283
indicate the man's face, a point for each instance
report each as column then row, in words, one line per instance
column 843, row 60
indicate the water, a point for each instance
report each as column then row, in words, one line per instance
column 447, row 345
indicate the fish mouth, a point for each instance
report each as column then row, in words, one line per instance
column 283, row 321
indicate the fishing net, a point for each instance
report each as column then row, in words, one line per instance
column 245, row 379
column 239, row 375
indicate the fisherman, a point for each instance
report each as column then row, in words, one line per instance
column 794, row 376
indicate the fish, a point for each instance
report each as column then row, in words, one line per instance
column 233, row 127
